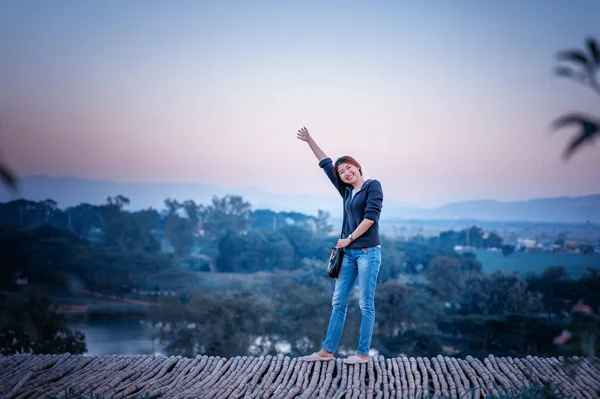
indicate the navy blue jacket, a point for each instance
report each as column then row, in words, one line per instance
column 366, row 204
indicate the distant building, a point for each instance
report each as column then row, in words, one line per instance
column 571, row 245
column 464, row 248
column 527, row 243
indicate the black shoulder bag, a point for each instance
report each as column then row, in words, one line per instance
column 337, row 255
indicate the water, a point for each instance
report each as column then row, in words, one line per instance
column 536, row 262
column 117, row 337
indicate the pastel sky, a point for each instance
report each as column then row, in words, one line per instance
column 439, row 100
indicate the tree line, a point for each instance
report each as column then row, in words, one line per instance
column 442, row 310
column 429, row 300
column 225, row 235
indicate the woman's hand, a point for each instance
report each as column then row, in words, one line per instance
column 303, row 134
column 343, row 243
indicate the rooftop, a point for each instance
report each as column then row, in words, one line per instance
column 37, row 376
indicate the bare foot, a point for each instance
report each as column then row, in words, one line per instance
column 363, row 357
column 324, row 353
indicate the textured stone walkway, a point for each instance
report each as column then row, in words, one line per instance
column 42, row 376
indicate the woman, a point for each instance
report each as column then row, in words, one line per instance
column 362, row 201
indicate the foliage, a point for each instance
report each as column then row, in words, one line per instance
column 406, row 320
column 128, row 231
column 473, row 236
column 34, row 325
column 443, row 276
column 218, row 325
column 507, row 250
column 258, row 250
column 429, row 299
column 583, row 69
column 178, row 230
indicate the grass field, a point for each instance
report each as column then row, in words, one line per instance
column 537, row 262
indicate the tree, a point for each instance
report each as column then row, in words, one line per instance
column 224, row 216
column 113, row 220
column 583, row 70
column 264, row 219
column 305, row 243
column 476, row 295
column 83, row 218
column 49, row 209
column 214, row 325
column 448, row 239
column 469, row 264
column 258, row 250
column 474, row 237
column 443, row 276
column 35, row 326
column 19, row 212
column 390, row 303
column 556, row 288
column 179, row 230
column 588, row 288
column 507, row 249
column 139, row 231
column 323, row 227
column 492, row 240
column 406, row 320
column 392, row 261
column 417, row 256
column 193, row 212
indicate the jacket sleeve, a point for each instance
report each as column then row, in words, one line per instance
column 327, row 166
column 374, row 201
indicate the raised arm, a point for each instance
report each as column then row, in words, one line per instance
column 324, row 161
column 304, row 135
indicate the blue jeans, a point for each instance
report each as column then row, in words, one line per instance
column 365, row 266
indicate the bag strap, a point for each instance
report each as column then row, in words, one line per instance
column 343, row 218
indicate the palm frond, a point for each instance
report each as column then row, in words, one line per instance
column 573, row 55
column 589, row 129
column 8, row 177
column 592, row 46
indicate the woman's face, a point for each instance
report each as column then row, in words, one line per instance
column 348, row 173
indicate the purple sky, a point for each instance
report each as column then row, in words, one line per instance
column 439, row 100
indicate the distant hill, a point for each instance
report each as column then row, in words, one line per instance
column 68, row 191
column 558, row 209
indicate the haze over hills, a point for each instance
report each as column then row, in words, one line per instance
column 69, row 191
column 579, row 209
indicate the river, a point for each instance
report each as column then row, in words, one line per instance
column 117, row 337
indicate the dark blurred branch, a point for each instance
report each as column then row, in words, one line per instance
column 586, row 60
column 580, row 78
column 588, row 130
column 584, row 70
column 8, row 178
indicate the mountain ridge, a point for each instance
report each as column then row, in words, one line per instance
column 72, row 190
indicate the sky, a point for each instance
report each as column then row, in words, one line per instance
column 441, row 101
